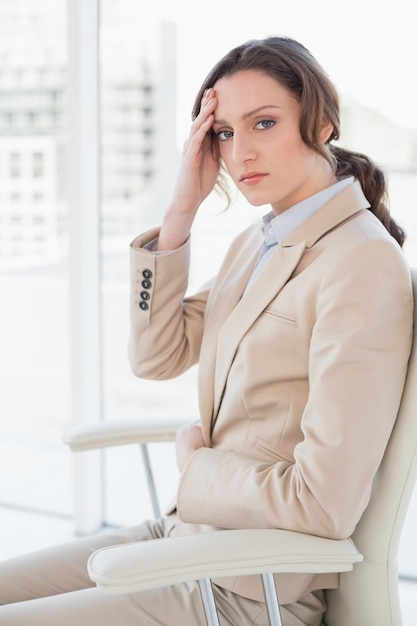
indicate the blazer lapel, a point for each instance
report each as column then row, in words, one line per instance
column 235, row 275
column 272, row 277
column 232, row 314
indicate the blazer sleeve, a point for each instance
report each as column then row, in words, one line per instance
column 358, row 358
column 165, row 327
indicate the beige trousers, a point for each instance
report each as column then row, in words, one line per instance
column 51, row 587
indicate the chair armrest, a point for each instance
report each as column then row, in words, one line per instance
column 123, row 432
column 157, row 563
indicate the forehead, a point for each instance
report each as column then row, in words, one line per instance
column 248, row 90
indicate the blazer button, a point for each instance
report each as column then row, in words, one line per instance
column 147, row 273
column 146, row 284
column 143, row 305
column 145, row 295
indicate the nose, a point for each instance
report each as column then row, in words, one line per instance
column 243, row 149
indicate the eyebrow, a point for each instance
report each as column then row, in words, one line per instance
column 250, row 113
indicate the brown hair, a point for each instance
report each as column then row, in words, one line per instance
column 294, row 67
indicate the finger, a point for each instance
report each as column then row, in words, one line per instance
column 207, row 109
column 207, row 95
column 199, row 137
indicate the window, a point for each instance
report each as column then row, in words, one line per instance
column 34, row 324
column 132, row 105
column 37, row 164
column 15, row 165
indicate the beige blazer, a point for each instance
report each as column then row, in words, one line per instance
column 300, row 375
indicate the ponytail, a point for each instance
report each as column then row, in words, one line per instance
column 373, row 182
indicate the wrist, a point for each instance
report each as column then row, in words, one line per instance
column 175, row 230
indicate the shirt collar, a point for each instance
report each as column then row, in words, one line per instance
column 277, row 227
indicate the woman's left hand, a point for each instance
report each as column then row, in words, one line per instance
column 189, row 439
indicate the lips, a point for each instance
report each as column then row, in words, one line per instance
column 251, row 178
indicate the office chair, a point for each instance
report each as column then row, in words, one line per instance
column 368, row 593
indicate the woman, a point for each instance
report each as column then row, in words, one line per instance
column 302, row 341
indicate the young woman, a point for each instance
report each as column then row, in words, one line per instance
column 302, row 340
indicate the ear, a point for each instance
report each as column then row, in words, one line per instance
column 326, row 130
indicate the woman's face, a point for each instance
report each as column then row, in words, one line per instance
column 257, row 123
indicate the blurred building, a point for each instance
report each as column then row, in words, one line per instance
column 32, row 127
column 138, row 75
column 137, row 116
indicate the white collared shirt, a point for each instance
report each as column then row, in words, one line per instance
column 277, row 227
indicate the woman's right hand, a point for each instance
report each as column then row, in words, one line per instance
column 197, row 176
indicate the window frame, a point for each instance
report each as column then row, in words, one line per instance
column 83, row 175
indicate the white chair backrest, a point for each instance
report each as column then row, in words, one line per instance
column 368, row 596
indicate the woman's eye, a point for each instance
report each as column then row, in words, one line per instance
column 223, row 135
column 264, row 124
